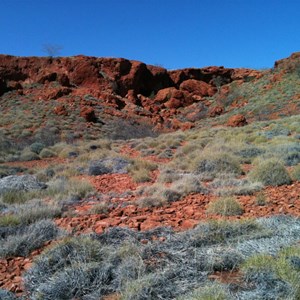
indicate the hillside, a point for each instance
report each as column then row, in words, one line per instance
column 124, row 181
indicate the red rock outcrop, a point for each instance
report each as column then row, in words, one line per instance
column 119, row 87
column 197, row 87
column 237, row 121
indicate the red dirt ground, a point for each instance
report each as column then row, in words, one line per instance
column 181, row 215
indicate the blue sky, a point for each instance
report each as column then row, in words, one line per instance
column 171, row 33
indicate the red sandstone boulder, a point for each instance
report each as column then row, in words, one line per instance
column 196, row 87
column 237, row 121
column 166, row 94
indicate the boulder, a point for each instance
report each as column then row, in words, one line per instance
column 237, row 121
column 20, row 183
column 197, row 87
column 164, row 95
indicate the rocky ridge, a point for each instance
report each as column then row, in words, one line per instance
column 119, row 87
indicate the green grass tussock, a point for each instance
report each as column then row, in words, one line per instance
column 226, row 206
column 270, row 172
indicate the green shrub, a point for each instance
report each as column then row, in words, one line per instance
column 47, row 153
column 227, row 206
column 270, row 172
column 9, row 220
column 37, row 147
column 215, row 163
column 28, row 156
column 284, row 268
column 140, row 176
column 140, row 170
column 35, row 210
column 168, row 176
column 61, row 188
column 30, row 238
column 188, row 184
column 17, row 197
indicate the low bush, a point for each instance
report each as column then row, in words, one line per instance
column 140, row 170
column 279, row 271
column 28, row 239
column 28, row 156
column 158, row 195
column 83, row 268
column 213, row 291
column 188, row 184
column 9, row 220
column 227, row 206
column 47, row 153
column 30, row 212
column 63, row 188
column 261, row 199
column 168, row 175
column 100, row 208
column 215, row 163
column 269, row 172
column 226, row 185
column 140, row 176
column 151, row 202
column 18, row 197
column 37, row 147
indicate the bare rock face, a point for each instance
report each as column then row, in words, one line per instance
column 119, row 87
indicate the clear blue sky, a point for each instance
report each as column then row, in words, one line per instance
column 171, row 33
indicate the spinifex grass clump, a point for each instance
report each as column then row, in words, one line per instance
column 270, row 172
column 226, row 206
column 212, row 291
column 28, row 238
column 141, row 170
column 212, row 164
column 280, row 273
column 118, row 262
